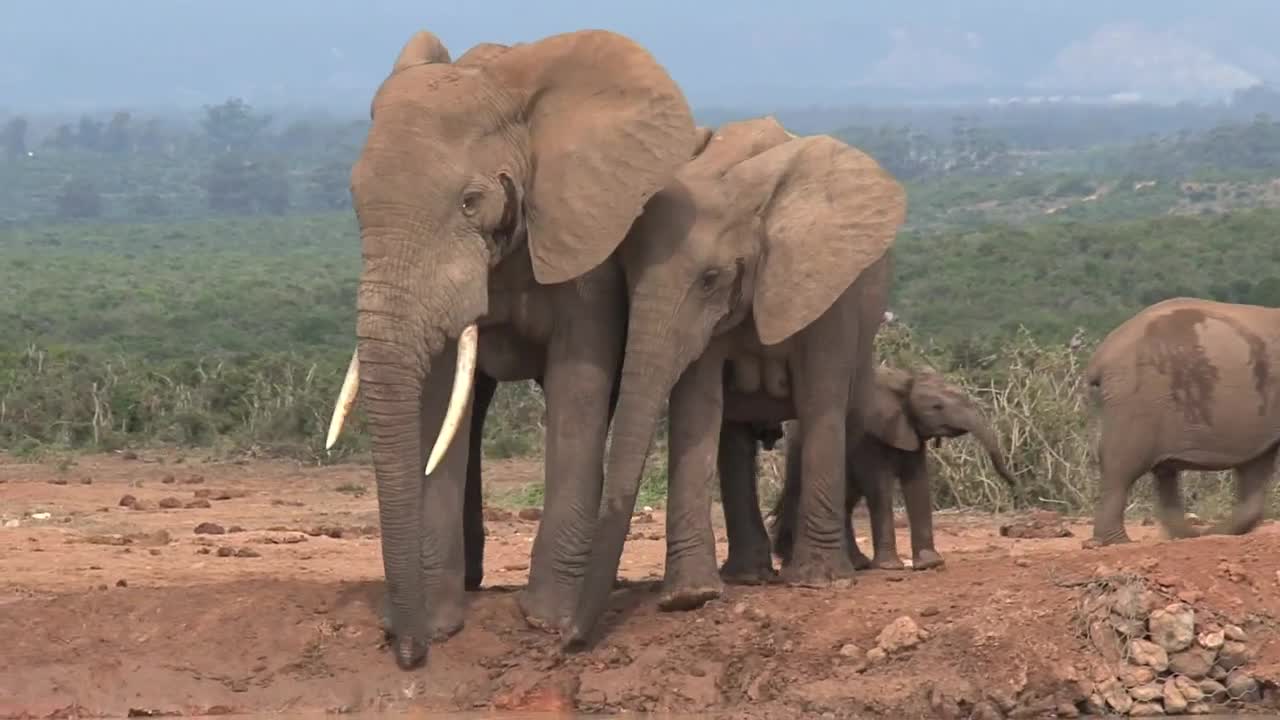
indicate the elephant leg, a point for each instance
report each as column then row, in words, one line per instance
column 1121, row 466
column 853, row 495
column 1252, row 479
column 696, row 410
column 581, row 371
column 784, row 520
column 749, row 561
column 1169, row 507
column 919, row 501
column 473, row 501
column 877, row 482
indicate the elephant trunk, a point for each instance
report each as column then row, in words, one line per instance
column 404, row 321
column 650, row 370
column 986, row 437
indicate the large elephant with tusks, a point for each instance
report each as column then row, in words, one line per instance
column 489, row 193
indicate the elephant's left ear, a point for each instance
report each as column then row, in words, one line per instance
column 829, row 212
column 886, row 419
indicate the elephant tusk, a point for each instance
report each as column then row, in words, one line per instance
column 346, row 398
column 459, row 396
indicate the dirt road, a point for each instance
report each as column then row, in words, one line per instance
column 220, row 588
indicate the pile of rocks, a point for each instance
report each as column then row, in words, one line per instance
column 1161, row 658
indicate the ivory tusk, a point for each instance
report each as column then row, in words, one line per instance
column 346, row 398
column 459, row 396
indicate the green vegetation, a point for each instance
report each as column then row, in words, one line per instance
column 195, row 285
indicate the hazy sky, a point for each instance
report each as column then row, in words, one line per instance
column 96, row 53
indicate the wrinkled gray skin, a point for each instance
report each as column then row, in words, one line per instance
column 1187, row 384
column 906, row 411
column 769, row 252
column 491, row 191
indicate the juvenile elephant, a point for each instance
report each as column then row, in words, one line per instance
column 1187, row 384
column 768, row 248
column 905, row 412
column 490, row 194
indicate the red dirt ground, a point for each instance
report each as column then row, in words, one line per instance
column 107, row 610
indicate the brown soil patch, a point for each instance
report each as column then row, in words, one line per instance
column 107, row 610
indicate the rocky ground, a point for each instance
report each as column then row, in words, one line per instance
column 147, row 585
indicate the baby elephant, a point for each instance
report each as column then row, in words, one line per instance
column 905, row 412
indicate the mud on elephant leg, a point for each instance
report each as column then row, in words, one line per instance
column 917, row 498
column 473, row 501
column 696, row 409
column 749, row 561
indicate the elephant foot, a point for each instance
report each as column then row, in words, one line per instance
column 859, row 560
column 888, row 562
column 472, row 583
column 927, row 560
column 541, row 609
column 689, row 597
column 1119, row 538
column 444, row 620
column 758, row 571
column 811, row 567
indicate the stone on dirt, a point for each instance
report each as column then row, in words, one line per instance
column 875, row 655
column 850, row 650
column 128, row 501
column 530, row 514
column 1145, row 652
column 1116, row 695
column 1174, row 701
column 208, row 528
column 1235, row 632
column 1134, row 675
column 1173, row 627
column 1194, row 662
column 1190, row 689
column 900, row 634
column 1212, row 689
column 198, row 503
column 1211, row 640
column 1095, row 704
column 1146, row 709
column 1147, row 693
column 170, row 503
column 1232, row 655
column 1242, row 687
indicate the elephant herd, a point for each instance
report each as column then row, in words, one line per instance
column 549, row 211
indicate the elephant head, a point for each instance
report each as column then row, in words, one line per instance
column 909, row 409
column 550, row 148
column 760, row 227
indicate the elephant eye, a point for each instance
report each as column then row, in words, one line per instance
column 937, row 407
column 710, row 279
column 470, row 203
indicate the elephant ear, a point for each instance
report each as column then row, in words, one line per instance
column 886, row 417
column 423, row 48
column 608, row 128
column 829, row 212
column 482, row 54
column 702, row 135
column 735, row 142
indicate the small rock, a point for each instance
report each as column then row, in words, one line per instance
column 143, row 506
column 248, row 552
column 154, row 551
column 235, row 529
column 41, row 515
column 1147, row 693
column 282, row 538
column 202, row 551
column 1173, row 627
column 208, row 528
column 1116, row 696
column 228, row 494
column 1189, row 688
column 739, row 608
column 1234, row 632
column 1105, row 640
column 201, row 493
column 1146, row 709
column 170, row 503
column 1218, row 673
column 278, row 502
column 168, row 480
column 1174, row 701
column 929, row 611
column 1242, row 687
column 1211, row 640
column 198, row 503
column 496, row 514
column 1095, row 705
column 226, row 551
column 1233, row 654
column 1190, row 596
column 86, row 480
column 1134, row 675
column 58, row 481
column 898, row 635
column 875, row 655
column 122, row 583
column 1199, row 708
column 530, row 514
column 1145, row 652
column 1194, row 662
column 158, row 537
column 193, row 480
column 128, row 501
column 12, row 523
column 850, row 650
column 1213, row 690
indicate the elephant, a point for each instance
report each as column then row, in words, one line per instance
column 771, row 250
column 906, row 411
column 1186, row 384
column 491, row 193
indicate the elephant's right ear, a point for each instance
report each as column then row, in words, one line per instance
column 886, row 418
column 424, row 47
column 738, row 141
column 608, row 128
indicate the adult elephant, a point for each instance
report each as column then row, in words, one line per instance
column 906, row 410
column 1187, row 384
column 773, row 251
column 489, row 193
